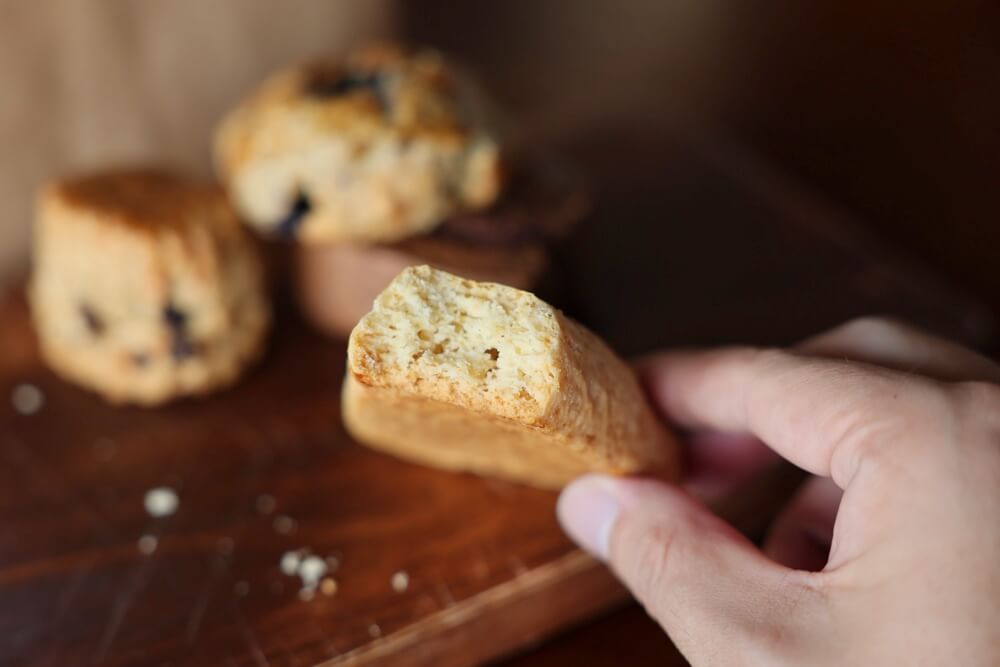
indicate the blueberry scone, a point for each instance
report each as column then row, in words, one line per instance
column 511, row 243
column 380, row 145
column 486, row 378
column 145, row 287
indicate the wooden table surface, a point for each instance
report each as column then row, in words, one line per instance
column 691, row 245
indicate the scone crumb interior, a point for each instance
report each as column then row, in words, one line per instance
column 490, row 347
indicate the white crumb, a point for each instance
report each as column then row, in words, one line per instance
column 311, row 570
column 161, row 501
column 27, row 399
column 290, row 563
column 400, row 581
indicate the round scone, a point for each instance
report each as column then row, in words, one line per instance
column 145, row 287
column 510, row 243
column 337, row 283
column 378, row 146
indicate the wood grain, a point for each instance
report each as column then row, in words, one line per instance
column 687, row 246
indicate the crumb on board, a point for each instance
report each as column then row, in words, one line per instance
column 311, row 571
column 400, row 581
column 161, row 501
column 374, row 631
column 242, row 588
column 290, row 562
column 27, row 399
column 147, row 544
column 328, row 586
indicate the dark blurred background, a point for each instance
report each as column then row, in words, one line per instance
column 890, row 109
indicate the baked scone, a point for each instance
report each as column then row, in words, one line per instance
column 510, row 243
column 145, row 287
column 486, row 378
column 337, row 283
column 378, row 146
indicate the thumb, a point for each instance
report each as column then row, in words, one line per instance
column 716, row 595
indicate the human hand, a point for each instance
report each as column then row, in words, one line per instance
column 889, row 555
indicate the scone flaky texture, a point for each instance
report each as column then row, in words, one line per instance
column 380, row 145
column 144, row 286
column 487, row 378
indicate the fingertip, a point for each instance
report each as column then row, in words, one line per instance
column 587, row 509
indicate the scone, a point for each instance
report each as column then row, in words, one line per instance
column 145, row 287
column 337, row 283
column 486, row 378
column 378, row 146
column 509, row 243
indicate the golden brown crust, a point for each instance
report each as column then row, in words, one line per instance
column 586, row 413
column 143, row 197
column 601, row 403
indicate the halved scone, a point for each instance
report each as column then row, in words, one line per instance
column 489, row 379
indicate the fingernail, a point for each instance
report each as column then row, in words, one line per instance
column 587, row 510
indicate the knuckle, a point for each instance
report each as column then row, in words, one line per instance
column 861, row 434
column 769, row 362
column 872, row 327
column 769, row 357
column 879, row 428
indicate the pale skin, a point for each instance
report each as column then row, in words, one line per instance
column 888, row 555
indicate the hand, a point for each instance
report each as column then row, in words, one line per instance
column 890, row 555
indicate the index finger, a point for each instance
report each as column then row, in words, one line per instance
column 823, row 415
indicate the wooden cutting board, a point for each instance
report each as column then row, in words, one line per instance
column 690, row 245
